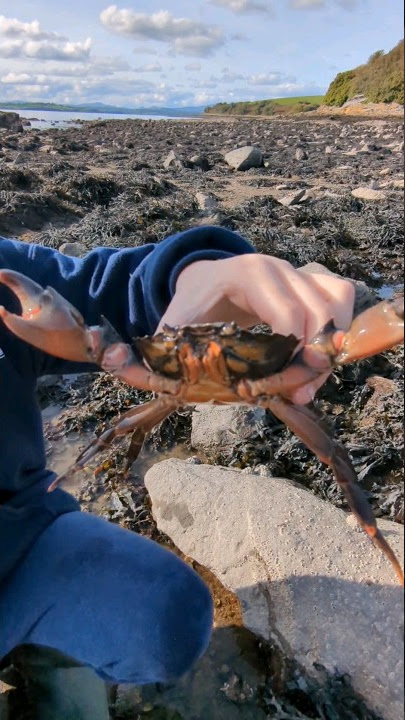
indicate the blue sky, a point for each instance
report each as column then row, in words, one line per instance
column 186, row 52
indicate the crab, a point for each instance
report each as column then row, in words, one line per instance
column 217, row 363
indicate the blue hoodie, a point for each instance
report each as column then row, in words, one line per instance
column 132, row 288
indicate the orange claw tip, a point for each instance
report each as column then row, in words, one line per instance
column 28, row 291
column 381, row 542
column 54, row 484
column 400, row 574
column 4, row 314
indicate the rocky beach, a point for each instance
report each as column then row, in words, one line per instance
column 308, row 189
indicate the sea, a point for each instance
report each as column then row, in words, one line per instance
column 43, row 119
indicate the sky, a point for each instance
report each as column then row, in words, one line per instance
column 176, row 53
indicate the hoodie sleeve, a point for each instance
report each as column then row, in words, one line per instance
column 131, row 287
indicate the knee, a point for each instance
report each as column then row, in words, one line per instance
column 160, row 636
column 187, row 625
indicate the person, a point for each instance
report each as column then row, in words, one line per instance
column 82, row 600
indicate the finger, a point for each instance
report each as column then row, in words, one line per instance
column 269, row 298
column 317, row 304
column 340, row 294
column 184, row 309
column 306, row 393
column 224, row 311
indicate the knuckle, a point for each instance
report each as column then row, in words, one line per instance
column 281, row 265
column 348, row 290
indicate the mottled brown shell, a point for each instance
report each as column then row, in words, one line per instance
column 246, row 354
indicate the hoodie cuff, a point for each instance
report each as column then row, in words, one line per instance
column 178, row 251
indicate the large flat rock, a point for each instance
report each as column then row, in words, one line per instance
column 306, row 576
column 244, row 158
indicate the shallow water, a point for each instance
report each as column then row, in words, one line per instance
column 386, row 292
column 44, row 119
column 62, row 453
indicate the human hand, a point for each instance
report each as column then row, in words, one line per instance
column 252, row 289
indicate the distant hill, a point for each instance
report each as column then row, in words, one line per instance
column 380, row 80
column 99, row 107
column 277, row 106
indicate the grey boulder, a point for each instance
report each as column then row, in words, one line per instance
column 244, row 158
column 305, row 575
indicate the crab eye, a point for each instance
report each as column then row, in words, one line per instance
column 169, row 332
column 228, row 329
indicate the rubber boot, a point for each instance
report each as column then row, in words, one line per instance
column 58, row 688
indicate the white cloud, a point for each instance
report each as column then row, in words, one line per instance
column 46, row 50
column 307, row 4
column 203, row 98
column 16, row 78
column 271, row 78
column 229, row 76
column 315, row 4
column 34, row 91
column 187, row 37
column 94, row 67
column 27, row 40
column 278, row 90
column 97, row 87
column 199, row 45
column 245, row 6
column 10, row 49
column 13, row 28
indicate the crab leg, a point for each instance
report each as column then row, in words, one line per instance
column 139, row 420
column 305, row 424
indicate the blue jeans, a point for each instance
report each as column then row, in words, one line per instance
column 109, row 598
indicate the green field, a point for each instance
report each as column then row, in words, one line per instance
column 310, row 99
column 275, row 106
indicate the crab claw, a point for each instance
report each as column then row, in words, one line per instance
column 51, row 324
column 48, row 321
column 375, row 330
